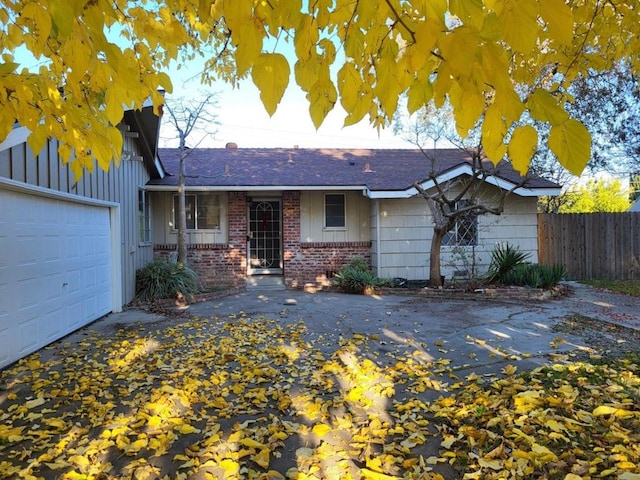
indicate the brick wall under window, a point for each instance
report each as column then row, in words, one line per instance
column 305, row 263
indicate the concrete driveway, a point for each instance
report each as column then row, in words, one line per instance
column 473, row 330
column 285, row 383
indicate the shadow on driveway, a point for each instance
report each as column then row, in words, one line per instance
column 272, row 384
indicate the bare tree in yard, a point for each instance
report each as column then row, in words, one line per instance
column 187, row 117
column 460, row 200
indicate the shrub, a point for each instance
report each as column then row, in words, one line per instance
column 355, row 277
column 504, row 259
column 161, row 279
column 535, row 275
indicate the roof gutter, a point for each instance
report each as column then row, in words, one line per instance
column 244, row 188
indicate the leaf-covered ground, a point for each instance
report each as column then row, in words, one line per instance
column 256, row 398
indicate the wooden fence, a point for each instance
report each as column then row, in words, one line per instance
column 591, row 245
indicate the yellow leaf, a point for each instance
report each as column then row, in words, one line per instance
column 322, row 98
column 469, row 11
column 494, row 130
column 607, row 410
column 448, row 441
column 63, row 17
column 544, row 107
column 494, row 464
column 522, row 146
column 36, row 402
column 249, row 442
column 75, row 476
column 230, row 467
column 306, row 37
column 40, row 17
column 187, row 429
column 321, row 429
column 571, row 143
column 419, row 94
column 58, row 464
column 263, row 458
column 543, row 453
column 79, row 460
column 518, row 20
column 270, row 73
column 8, row 67
column 136, row 446
column 349, row 83
column 371, row 475
column 559, row 18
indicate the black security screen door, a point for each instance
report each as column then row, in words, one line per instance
column 265, row 238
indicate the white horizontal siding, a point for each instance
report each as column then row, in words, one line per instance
column 406, row 229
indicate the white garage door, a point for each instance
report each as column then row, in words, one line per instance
column 55, row 270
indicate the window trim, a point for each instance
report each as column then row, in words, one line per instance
column 195, row 195
column 344, row 212
column 453, row 237
column 144, row 217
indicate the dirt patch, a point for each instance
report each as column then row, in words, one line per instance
column 607, row 340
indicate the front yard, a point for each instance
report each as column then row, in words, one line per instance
column 254, row 397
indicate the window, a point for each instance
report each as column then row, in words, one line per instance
column 202, row 210
column 334, row 216
column 144, row 217
column 465, row 231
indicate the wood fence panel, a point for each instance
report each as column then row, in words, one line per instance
column 591, row 245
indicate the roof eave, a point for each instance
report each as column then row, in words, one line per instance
column 245, row 188
column 495, row 180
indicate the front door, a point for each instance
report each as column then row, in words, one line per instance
column 265, row 237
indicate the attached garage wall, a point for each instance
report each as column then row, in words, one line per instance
column 59, row 262
column 120, row 185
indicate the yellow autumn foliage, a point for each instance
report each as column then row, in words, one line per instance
column 495, row 60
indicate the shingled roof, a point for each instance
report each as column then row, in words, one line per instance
column 381, row 172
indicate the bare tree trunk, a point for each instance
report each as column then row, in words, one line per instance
column 185, row 116
column 182, row 213
column 435, row 273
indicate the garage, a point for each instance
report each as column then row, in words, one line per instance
column 59, row 266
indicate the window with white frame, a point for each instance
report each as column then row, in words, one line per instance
column 465, row 230
column 144, row 217
column 334, row 210
column 202, row 211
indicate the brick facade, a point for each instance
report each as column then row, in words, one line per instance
column 305, row 264
column 220, row 263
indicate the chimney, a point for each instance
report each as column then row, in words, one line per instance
column 367, row 168
column 290, row 158
column 231, row 146
column 295, row 147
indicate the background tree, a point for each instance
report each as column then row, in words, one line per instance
column 462, row 199
column 609, row 103
column 596, row 196
column 186, row 117
column 98, row 57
